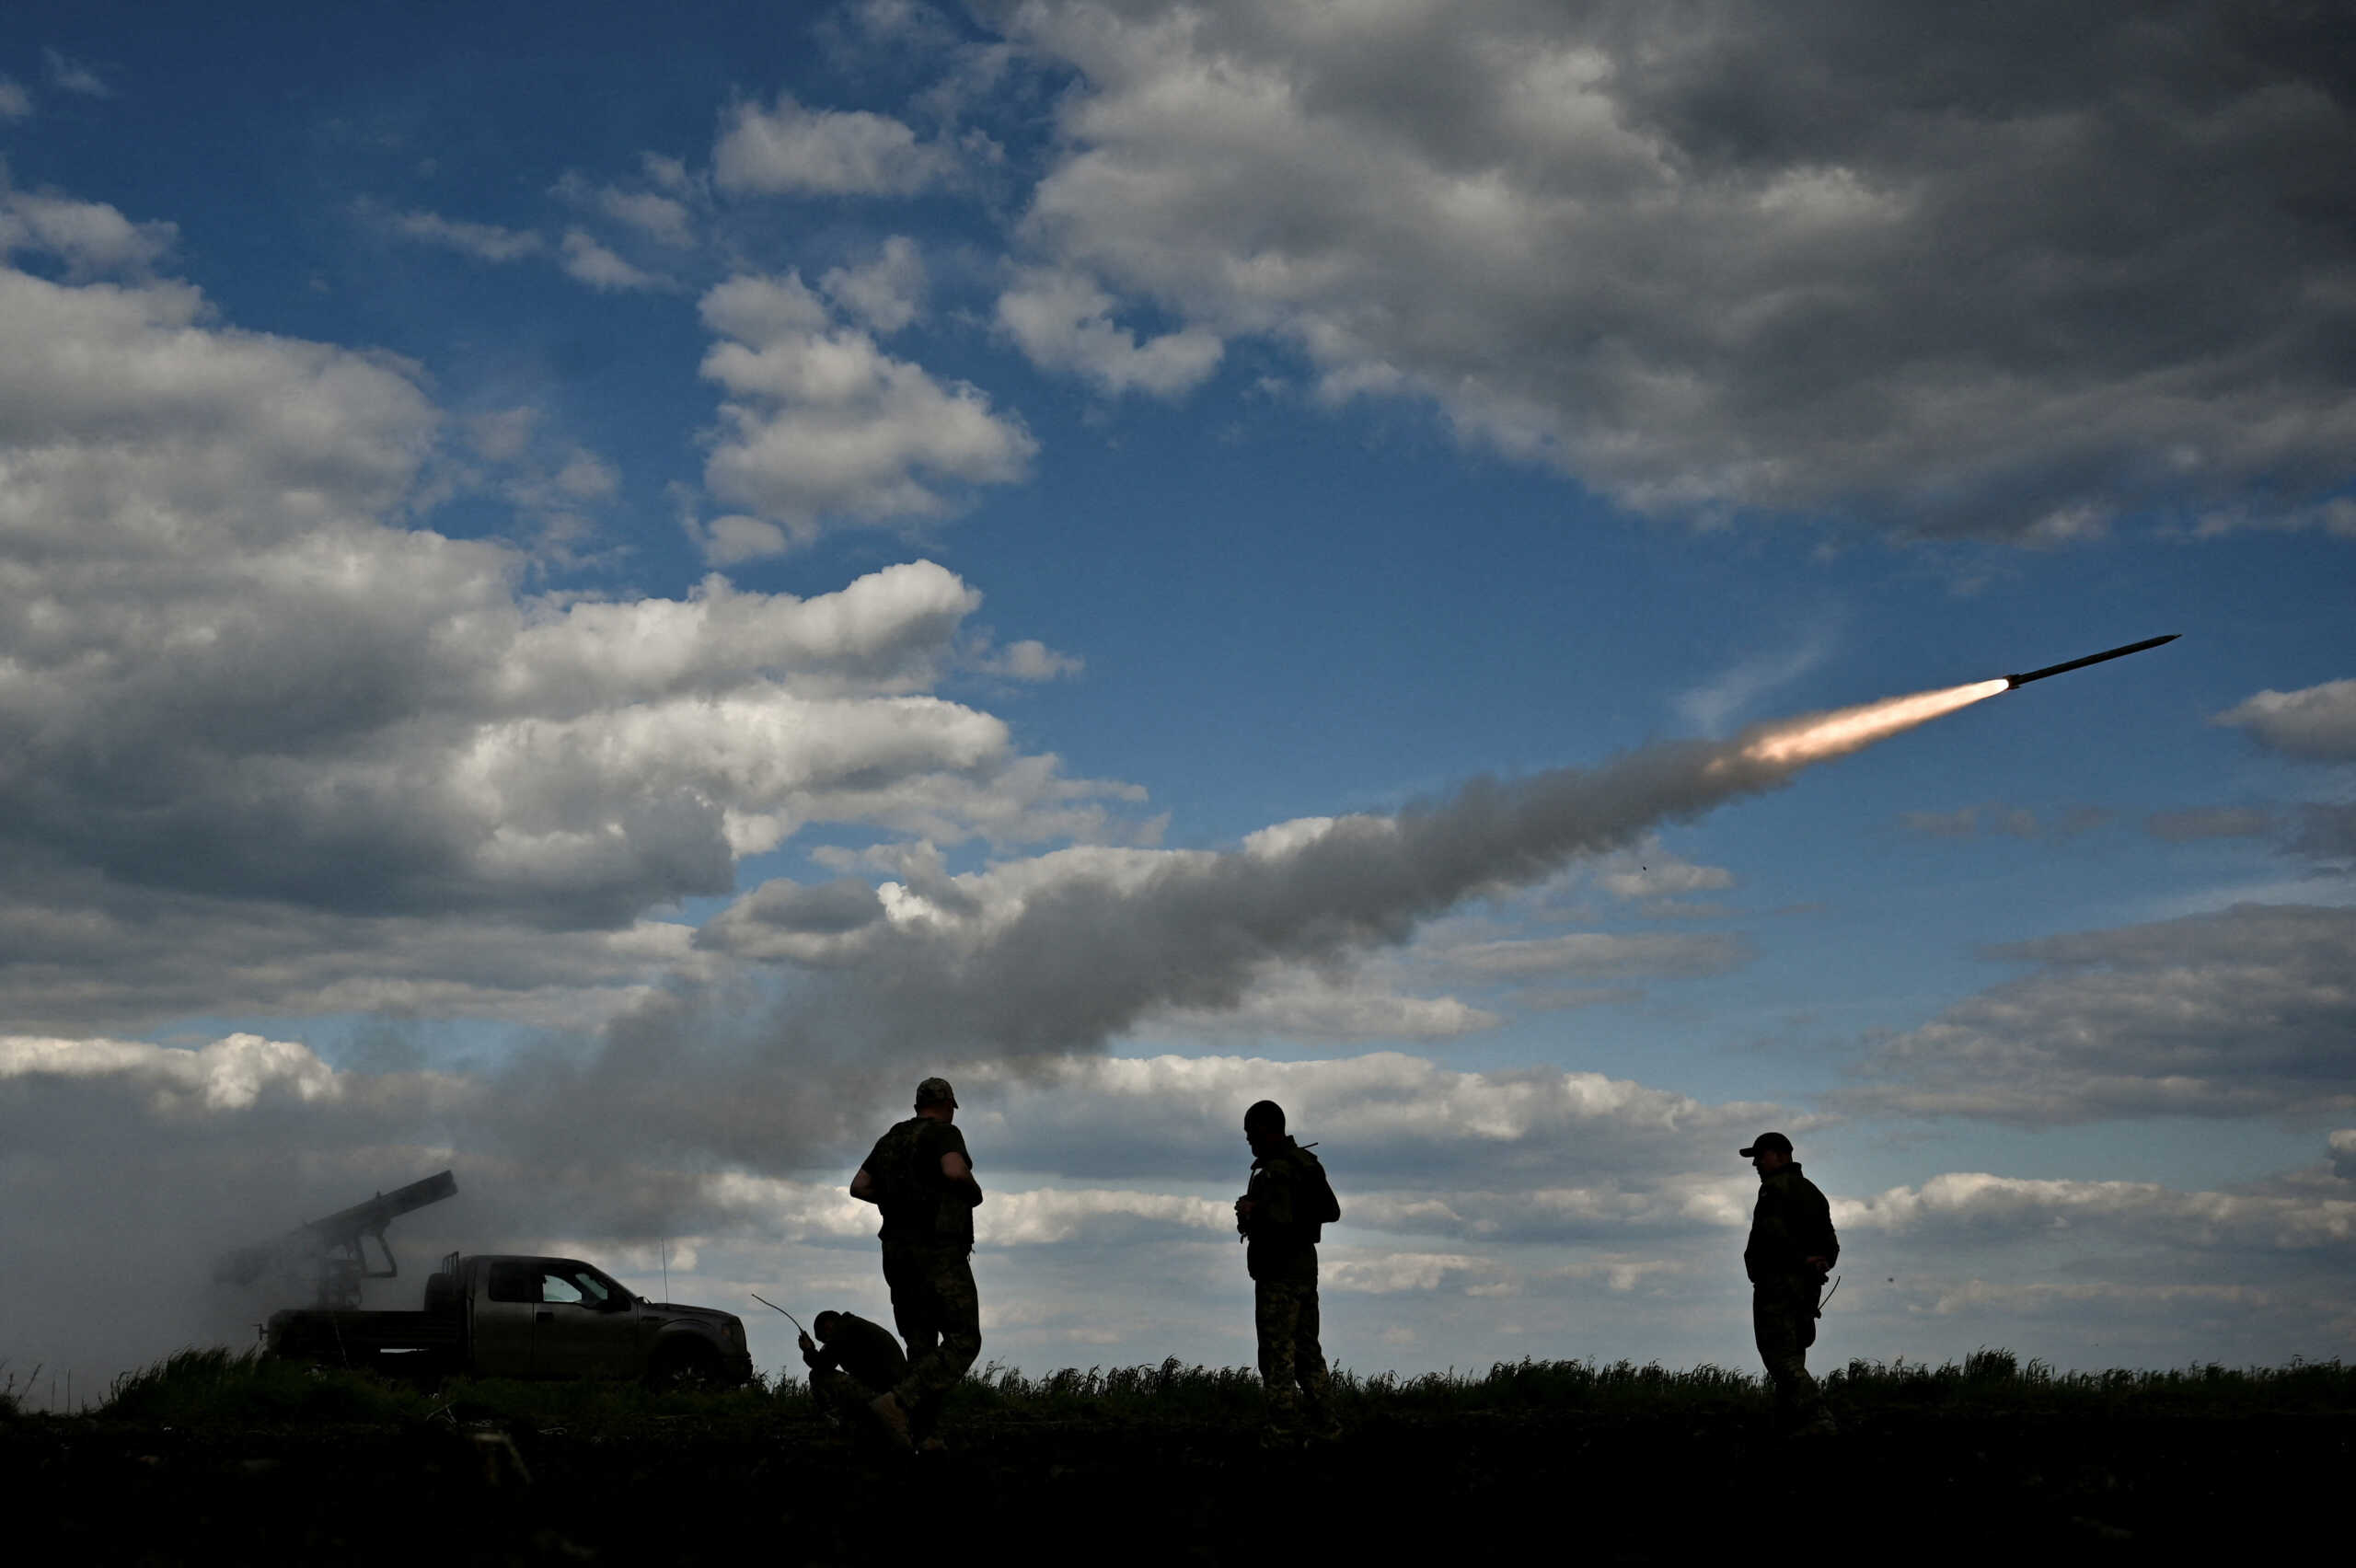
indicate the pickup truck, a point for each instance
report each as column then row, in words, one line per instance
column 512, row 1316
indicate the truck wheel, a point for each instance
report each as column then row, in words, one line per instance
column 688, row 1366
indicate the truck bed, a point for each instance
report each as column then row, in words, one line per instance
column 356, row 1338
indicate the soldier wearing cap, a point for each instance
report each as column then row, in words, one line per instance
column 850, row 1361
column 920, row 1176
column 1792, row 1248
column 1281, row 1218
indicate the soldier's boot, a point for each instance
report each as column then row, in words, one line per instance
column 893, row 1422
column 1283, row 1429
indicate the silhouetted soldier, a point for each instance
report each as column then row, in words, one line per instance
column 1281, row 1217
column 1792, row 1248
column 851, row 1363
column 920, row 1174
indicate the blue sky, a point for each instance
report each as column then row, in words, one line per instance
column 630, row 583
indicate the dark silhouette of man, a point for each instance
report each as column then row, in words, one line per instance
column 1792, row 1248
column 1281, row 1218
column 851, row 1362
column 920, row 1176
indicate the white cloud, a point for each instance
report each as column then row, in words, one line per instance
column 89, row 236
column 660, row 218
column 1747, row 260
column 887, row 293
column 15, row 102
column 71, row 75
column 1295, row 1004
column 2245, row 1013
column 2316, row 722
column 1660, row 874
column 369, row 718
column 1028, row 660
column 484, row 242
column 789, row 150
column 823, row 426
column 589, row 263
column 1062, row 321
column 1600, row 955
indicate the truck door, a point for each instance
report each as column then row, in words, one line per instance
column 504, row 1306
column 586, row 1327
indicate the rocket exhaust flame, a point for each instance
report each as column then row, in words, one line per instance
column 1820, row 736
column 1798, row 742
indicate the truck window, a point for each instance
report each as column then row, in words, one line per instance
column 584, row 1284
column 513, row 1281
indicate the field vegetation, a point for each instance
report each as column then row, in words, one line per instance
column 211, row 1456
column 222, row 1388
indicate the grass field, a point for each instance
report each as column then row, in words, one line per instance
column 211, row 1456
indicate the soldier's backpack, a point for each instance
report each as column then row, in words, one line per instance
column 892, row 1171
column 1319, row 1207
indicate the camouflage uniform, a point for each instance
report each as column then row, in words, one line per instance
column 1291, row 1202
column 857, row 1362
column 1790, row 1224
column 928, row 1240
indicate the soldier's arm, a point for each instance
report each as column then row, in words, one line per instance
column 956, row 1169
column 862, row 1187
column 1827, row 1242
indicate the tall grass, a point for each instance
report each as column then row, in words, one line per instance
column 219, row 1388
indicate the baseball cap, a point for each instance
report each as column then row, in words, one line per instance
column 1775, row 1141
column 935, row 1092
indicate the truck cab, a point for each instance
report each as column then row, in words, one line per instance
column 508, row 1316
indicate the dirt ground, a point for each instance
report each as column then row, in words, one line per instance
column 1888, row 1488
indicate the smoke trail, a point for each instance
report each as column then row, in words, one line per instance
column 988, row 965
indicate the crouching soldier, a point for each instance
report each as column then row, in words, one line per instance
column 852, row 1361
column 1281, row 1218
column 1792, row 1248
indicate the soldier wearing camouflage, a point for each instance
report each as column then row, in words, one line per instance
column 1281, row 1218
column 851, row 1362
column 1792, row 1248
column 922, row 1178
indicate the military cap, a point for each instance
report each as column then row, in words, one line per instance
column 935, row 1092
column 1775, row 1141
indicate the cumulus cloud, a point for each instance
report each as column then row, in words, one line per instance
column 820, row 426
column 90, row 236
column 1749, row 258
column 2246, row 1013
column 660, row 218
column 1027, row 660
column 2317, row 723
column 1062, row 321
column 886, row 292
column 484, row 242
column 787, row 149
column 226, row 677
column 587, row 261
